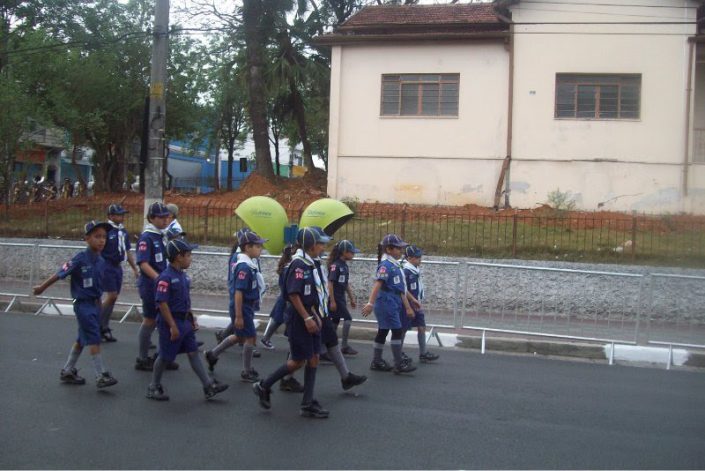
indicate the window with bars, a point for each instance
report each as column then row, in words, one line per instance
column 598, row 96
column 419, row 95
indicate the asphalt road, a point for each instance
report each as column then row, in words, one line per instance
column 466, row 411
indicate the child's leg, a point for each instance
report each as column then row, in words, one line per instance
column 286, row 369
column 75, row 352
column 108, row 306
column 271, row 328
column 247, row 352
column 198, row 368
column 97, row 360
column 403, row 336
column 309, row 380
column 396, row 346
column 159, row 367
column 336, row 356
column 422, row 340
column 346, row 332
column 145, row 336
column 227, row 342
column 379, row 343
column 229, row 330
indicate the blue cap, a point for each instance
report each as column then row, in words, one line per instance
column 347, row 246
column 93, row 225
column 412, row 251
column 116, row 209
column 238, row 233
column 177, row 246
column 173, row 232
column 157, row 210
column 393, row 240
column 249, row 237
column 308, row 237
column 323, row 238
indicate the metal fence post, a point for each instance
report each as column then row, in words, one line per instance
column 465, row 296
column 633, row 238
column 514, row 236
column 640, row 301
column 33, row 264
column 205, row 223
column 457, row 295
column 46, row 218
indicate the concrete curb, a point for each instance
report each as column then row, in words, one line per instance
column 514, row 345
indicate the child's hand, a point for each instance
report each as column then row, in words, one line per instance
column 194, row 322
column 136, row 272
column 415, row 304
column 239, row 323
column 37, row 290
column 410, row 312
column 333, row 306
column 367, row 309
column 174, row 331
column 353, row 304
column 312, row 324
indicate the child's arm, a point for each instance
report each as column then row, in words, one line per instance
column 407, row 306
column 309, row 319
column 39, row 289
column 131, row 261
column 331, row 298
column 148, row 270
column 348, row 289
column 412, row 300
column 239, row 320
column 367, row 309
column 166, row 314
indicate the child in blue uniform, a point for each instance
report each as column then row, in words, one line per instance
column 303, row 291
column 415, row 291
column 86, row 272
column 244, row 301
column 117, row 250
column 151, row 258
column 176, row 323
column 339, row 285
column 276, row 317
column 387, row 299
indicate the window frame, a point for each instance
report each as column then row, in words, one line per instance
column 598, row 83
column 419, row 101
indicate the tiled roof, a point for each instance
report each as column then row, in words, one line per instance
column 391, row 16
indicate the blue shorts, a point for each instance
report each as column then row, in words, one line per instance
column 112, row 278
column 419, row 319
column 405, row 320
column 248, row 315
column 278, row 310
column 329, row 336
column 186, row 343
column 341, row 312
column 387, row 309
column 302, row 345
column 148, row 293
column 88, row 317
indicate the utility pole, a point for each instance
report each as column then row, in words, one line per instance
column 154, row 174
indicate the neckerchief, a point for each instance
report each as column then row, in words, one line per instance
column 121, row 239
column 416, row 271
column 398, row 264
column 320, row 288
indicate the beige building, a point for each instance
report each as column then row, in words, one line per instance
column 507, row 102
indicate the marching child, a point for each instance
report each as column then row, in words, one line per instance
column 339, row 285
column 387, row 299
column 244, row 301
column 151, row 258
column 302, row 289
column 176, row 323
column 86, row 272
column 412, row 273
column 117, row 250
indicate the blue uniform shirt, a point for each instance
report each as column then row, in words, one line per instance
column 116, row 246
column 150, row 249
column 338, row 274
column 299, row 280
column 173, row 287
column 412, row 282
column 245, row 279
column 86, row 271
column 392, row 277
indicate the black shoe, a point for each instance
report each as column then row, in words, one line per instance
column 71, row 377
column 380, row 365
column 405, row 357
column 349, row 351
column 249, row 376
column 219, row 335
column 211, row 359
column 404, row 367
column 264, row 395
column 267, row 344
column 214, row 388
column 105, row 380
column 107, row 336
column 157, row 393
column 314, row 410
column 352, row 380
column 256, row 353
column 324, row 358
column 428, row 357
column 144, row 364
column 291, row 384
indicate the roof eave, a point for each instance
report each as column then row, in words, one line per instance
column 340, row 39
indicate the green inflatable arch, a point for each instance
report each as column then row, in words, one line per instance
column 327, row 213
column 267, row 218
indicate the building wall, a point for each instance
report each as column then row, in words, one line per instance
column 432, row 160
column 623, row 164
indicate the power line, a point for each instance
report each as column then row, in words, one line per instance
column 598, row 13
column 611, row 5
